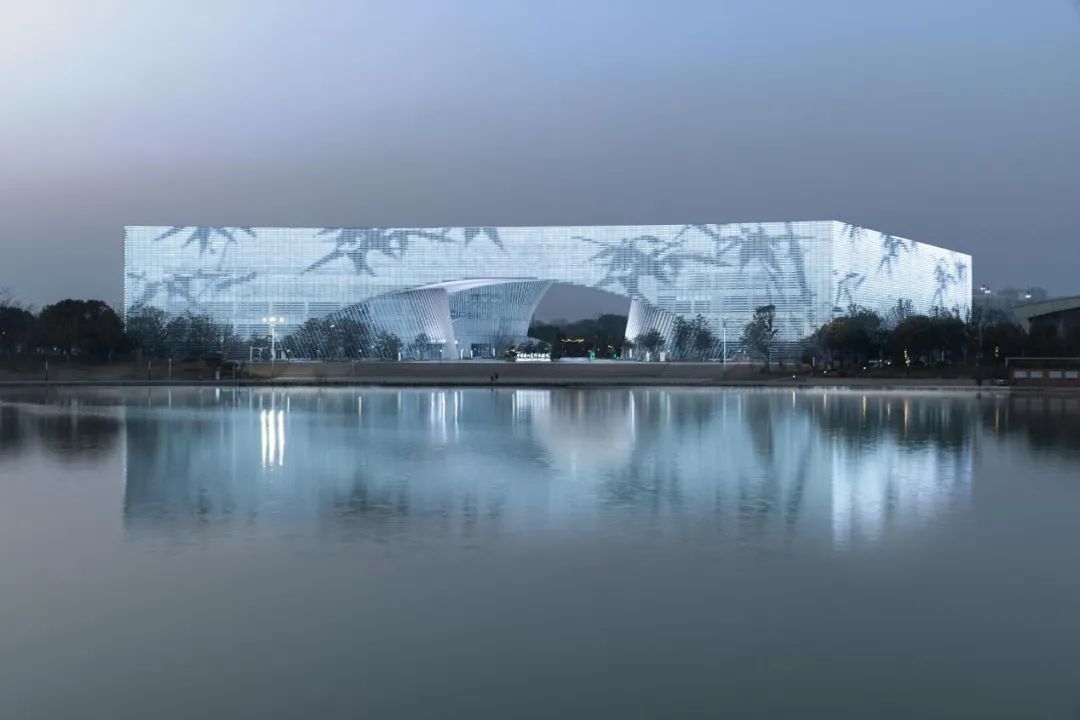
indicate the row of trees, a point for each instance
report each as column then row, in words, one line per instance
column 86, row 328
column 90, row 330
column 695, row 340
column 154, row 333
column 347, row 338
column 862, row 336
column 692, row 339
column 981, row 337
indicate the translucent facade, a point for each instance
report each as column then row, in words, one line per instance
column 492, row 278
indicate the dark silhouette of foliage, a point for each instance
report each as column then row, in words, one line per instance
column 551, row 334
column 853, row 338
column 86, row 328
column 422, row 348
column 17, row 325
column 902, row 310
column 192, row 337
column 651, row 341
column 759, row 335
column 682, row 338
column 147, row 330
column 704, row 338
column 692, row 339
column 16, row 329
column 338, row 337
column 387, row 346
column 938, row 337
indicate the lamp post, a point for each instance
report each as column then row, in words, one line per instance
column 273, row 323
column 723, row 325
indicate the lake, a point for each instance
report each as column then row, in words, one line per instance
column 533, row 553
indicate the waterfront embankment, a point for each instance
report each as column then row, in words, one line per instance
column 466, row 373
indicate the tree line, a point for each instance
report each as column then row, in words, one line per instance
column 863, row 337
column 349, row 338
column 91, row 331
column 983, row 336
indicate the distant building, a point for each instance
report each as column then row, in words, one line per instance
column 1063, row 372
column 468, row 291
column 1006, row 300
column 1063, row 314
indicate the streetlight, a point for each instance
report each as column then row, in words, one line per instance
column 723, row 324
column 273, row 323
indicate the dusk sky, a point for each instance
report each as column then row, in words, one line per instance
column 952, row 122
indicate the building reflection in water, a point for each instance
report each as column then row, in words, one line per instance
column 906, row 478
column 831, row 468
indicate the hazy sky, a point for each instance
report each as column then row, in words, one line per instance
column 954, row 122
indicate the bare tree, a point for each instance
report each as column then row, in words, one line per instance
column 7, row 299
column 502, row 340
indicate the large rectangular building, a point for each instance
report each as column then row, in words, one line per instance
column 811, row 271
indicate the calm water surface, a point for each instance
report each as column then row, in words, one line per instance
column 508, row 553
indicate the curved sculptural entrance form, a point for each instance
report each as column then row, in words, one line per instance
column 478, row 318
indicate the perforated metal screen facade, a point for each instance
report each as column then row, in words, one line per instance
column 809, row 270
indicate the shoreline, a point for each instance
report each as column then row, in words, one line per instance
column 477, row 374
column 582, row 383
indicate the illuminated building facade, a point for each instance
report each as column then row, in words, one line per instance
column 467, row 291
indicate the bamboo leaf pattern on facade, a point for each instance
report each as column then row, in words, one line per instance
column 629, row 260
column 357, row 243
column 205, row 235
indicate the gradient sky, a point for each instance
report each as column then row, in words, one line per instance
column 953, row 122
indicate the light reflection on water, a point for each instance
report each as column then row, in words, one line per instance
column 793, row 510
column 842, row 467
column 526, row 460
column 845, row 467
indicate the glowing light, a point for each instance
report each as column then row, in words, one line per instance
column 272, row 437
